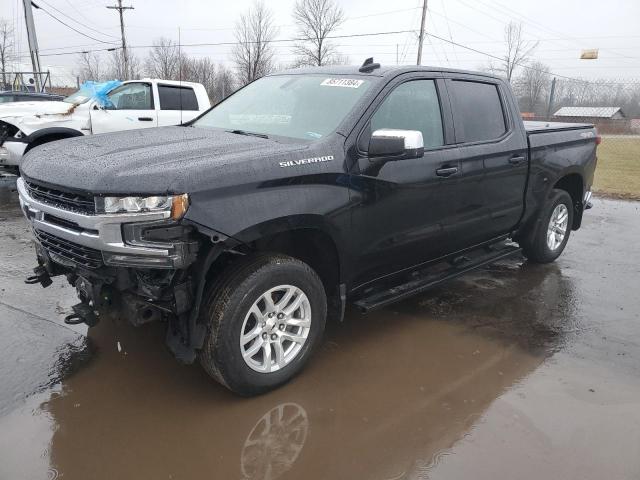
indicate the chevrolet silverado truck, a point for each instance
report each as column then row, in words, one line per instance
column 127, row 106
column 245, row 229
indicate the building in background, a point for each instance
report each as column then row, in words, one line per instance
column 611, row 120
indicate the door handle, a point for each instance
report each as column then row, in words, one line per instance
column 516, row 160
column 145, row 119
column 446, row 171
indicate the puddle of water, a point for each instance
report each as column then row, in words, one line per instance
column 383, row 391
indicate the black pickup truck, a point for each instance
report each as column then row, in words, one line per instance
column 246, row 228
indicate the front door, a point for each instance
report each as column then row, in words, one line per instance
column 131, row 107
column 402, row 206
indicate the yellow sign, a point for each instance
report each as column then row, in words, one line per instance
column 590, row 54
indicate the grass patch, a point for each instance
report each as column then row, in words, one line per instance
column 618, row 170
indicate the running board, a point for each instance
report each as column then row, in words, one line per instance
column 429, row 279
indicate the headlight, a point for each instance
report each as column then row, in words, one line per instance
column 176, row 204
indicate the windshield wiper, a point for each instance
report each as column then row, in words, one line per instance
column 250, row 134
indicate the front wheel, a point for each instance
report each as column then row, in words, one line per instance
column 264, row 319
column 546, row 242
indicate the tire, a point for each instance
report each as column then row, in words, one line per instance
column 536, row 245
column 228, row 312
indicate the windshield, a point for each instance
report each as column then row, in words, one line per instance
column 298, row 106
column 79, row 97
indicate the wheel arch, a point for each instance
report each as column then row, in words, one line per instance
column 573, row 183
column 50, row 134
column 306, row 237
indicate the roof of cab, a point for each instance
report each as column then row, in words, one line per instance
column 167, row 82
column 382, row 71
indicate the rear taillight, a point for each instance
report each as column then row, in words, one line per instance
column 598, row 139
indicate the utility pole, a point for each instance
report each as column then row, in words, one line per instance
column 33, row 42
column 125, row 57
column 421, row 39
column 552, row 95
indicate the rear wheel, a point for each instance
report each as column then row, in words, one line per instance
column 264, row 318
column 546, row 242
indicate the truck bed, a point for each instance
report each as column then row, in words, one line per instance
column 543, row 127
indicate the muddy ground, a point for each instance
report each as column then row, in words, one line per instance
column 516, row 371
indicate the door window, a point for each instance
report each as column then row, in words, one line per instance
column 132, row 96
column 412, row 105
column 479, row 111
column 177, row 98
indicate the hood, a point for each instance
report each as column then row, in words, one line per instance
column 21, row 109
column 158, row 160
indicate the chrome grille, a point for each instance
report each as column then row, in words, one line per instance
column 72, row 201
column 69, row 251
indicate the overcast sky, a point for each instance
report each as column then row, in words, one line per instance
column 562, row 27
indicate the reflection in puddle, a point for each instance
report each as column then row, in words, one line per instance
column 275, row 442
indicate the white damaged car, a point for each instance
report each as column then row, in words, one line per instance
column 118, row 106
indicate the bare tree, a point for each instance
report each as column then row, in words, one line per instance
column 225, row 84
column 163, row 60
column 200, row 70
column 253, row 54
column 316, row 19
column 518, row 51
column 117, row 70
column 91, row 67
column 6, row 48
column 531, row 86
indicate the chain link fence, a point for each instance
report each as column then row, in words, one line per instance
column 613, row 107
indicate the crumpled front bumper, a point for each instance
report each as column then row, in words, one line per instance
column 11, row 153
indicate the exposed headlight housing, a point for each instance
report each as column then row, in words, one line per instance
column 176, row 204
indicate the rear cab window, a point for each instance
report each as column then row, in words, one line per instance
column 480, row 113
column 174, row 97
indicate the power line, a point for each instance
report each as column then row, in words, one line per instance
column 68, row 26
column 444, row 10
column 76, row 21
column 286, row 25
column 544, row 27
column 216, row 44
column 372, row 34
column 511, row 17
column 521, row 64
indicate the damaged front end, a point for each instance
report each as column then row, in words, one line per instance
column 12, row 145
column 133, row 254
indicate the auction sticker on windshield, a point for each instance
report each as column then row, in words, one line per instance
column 342, row 82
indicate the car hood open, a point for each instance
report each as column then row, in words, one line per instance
column 156, row 160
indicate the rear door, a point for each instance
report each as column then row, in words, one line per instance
column 402, row 205
column 131, row 107
column 177, row 104
column 494, row 160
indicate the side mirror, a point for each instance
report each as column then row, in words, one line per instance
column 389, row 144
